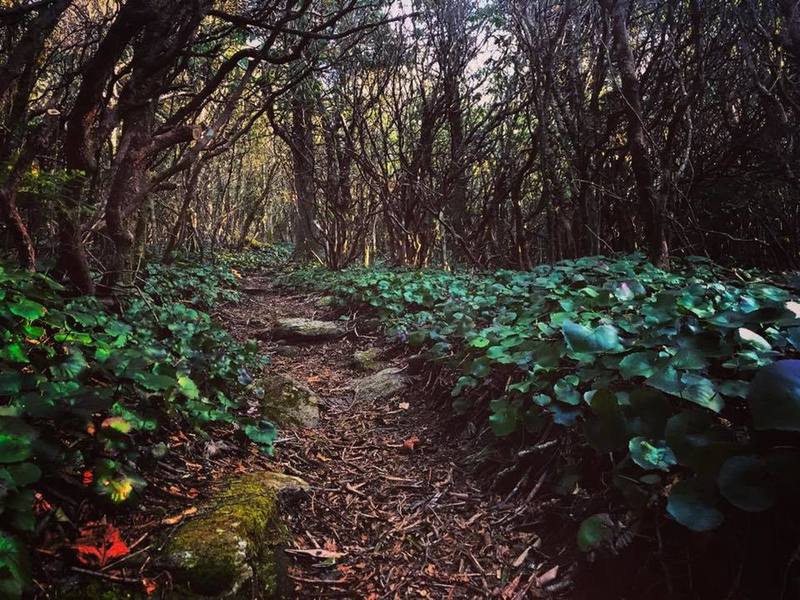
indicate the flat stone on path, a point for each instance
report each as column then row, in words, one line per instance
column 300, row 329
column 383, row 385
column 288, row 402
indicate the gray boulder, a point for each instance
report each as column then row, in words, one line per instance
column 300, row 329
column 288, row 402
column 380, row 386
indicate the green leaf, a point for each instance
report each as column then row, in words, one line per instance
column 594, row 531
column 745, row 482
column 479, row 342
column 14, row 567
column 698, row 442
column 691, row 503
column 23, row 474
column 14, row 448
column 638, row 364
column 188, row 387
column 774, row 396
column 505, row 416
column 751, row 338
column 417, row 338
column 581, row 339
column 701, row 391
column 262, row 433
column 651, row 454
column 606, row 429
column 565, row 392
column 27, row 309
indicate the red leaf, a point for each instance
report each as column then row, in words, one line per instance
column 99, row 543
column 411, row 443
column 150, row 586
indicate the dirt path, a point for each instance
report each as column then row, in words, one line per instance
column 393, row 509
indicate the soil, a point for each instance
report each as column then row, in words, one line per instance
column 394, row 511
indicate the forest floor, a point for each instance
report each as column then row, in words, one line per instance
column 394, row 511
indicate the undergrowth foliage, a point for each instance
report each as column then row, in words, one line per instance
column 677, row 375
column 85, row 393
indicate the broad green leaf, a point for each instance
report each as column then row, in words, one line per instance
column 479, row 342
column 14, row 567
column 14, row 448
column 505, row 416
column 584, row 340
column 264, row 434
column 698, row 442
column 691, row 503
column 594, row 531
column 22, row 474
column 701, row 391
column 638, row 364
column 745, row 482
column 565, row 392
column 606, row 429
column 774, row 396
column 188, row 387
column 27, row 309
column 651, row 454
column 751, row 338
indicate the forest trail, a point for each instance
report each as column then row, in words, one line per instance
column 393, row 511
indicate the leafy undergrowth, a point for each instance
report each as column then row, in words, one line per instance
column 88, row 394
column 683, row 379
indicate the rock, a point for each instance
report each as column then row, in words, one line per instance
column 326, row 301
column 383, row 385
column 288, row 402
column 289, row 351
column 234, row 549
column 307, row 330
column 95, row 590
column 367, row 360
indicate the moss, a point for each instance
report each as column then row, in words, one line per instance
column 97, row 590
column 234, row 547
column 288, row 402
column 367, row 360
column 310, row 330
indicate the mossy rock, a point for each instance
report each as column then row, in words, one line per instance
column 327, row 301
column 288, row 402
column 367, row 360
column 383, row 385
column 234, row 549
column 97, row 590
column 306, row 330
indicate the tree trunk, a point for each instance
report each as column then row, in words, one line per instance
column 651, row 207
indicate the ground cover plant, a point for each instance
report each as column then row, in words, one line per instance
column 90, row 393
column 687, row 379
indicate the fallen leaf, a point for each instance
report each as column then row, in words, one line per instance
column 521, row 558
column 98, row 543
column 547, row 577
column 150, row 586
column 510, row 590
column 322, row 457
column 411, row 443
column 179, row 517
column 316, row 552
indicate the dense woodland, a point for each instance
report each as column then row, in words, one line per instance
column 453, row 169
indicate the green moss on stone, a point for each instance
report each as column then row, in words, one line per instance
column 234, row 546
column 289, row 403
column 367, row 360
column 98, row 590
